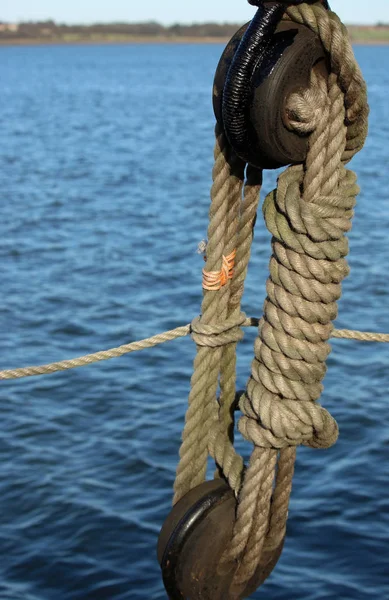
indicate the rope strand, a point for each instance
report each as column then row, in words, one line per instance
column 156, row 340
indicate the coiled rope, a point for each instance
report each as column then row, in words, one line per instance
column 308, row 216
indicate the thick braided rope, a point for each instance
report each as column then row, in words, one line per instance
column 308, row 216
column 334, row 37
column 218, row 409
column 221, row 426
column 226, row 195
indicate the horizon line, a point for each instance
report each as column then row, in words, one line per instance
column 156, row 22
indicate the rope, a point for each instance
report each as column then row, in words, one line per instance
column 221, row 428
column 89, row 359
column 308, row 215
column 226, row 191
column 360, row 336
column 156, row 340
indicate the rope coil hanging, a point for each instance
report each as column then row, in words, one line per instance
column 308, row 216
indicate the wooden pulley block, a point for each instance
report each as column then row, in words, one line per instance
column 265, row 62
column 192, row 541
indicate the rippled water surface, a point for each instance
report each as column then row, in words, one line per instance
column 105, row 163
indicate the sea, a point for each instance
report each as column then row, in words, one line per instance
column 106, row 155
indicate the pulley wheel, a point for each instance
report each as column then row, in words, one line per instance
column 192, row 541
column 284, row 68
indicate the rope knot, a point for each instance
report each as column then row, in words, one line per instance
column 217, row 335
column 315, row 228
column 324, row 218
column 271, row 421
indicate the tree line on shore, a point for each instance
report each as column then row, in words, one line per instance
column 50, row 30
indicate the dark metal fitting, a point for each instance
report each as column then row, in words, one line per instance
column 266, row 60
column 290, row 2
column 192, row 541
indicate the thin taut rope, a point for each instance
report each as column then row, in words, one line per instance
column 156, row 340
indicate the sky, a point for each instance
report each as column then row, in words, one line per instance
column 169, row 11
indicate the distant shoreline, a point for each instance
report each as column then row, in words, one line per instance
column 145, row 40
column 51, row 33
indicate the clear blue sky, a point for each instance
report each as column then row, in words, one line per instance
column 168, row 11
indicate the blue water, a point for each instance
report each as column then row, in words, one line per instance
column 105, row 168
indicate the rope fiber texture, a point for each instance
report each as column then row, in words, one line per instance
column 308, row 216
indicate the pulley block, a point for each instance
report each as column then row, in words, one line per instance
column 192, row 542
column 266, row 60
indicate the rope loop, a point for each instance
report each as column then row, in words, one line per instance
column 304, row 106
column 334, row 37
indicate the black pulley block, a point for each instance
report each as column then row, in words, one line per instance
column 291, row 2
column 267, row 60
column 193, row 540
